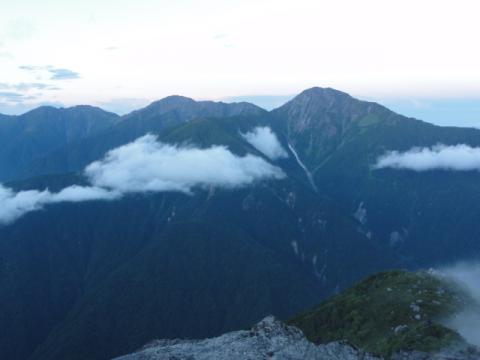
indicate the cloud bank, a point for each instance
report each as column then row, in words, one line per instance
column 16, row 204
column 265, row 141
column 146, row 165
column 467, row 322
column 440, row 157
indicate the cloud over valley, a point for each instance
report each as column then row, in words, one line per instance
column 147, row 165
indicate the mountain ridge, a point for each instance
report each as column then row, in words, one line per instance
column 78, row 260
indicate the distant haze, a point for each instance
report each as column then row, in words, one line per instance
column 467, row 322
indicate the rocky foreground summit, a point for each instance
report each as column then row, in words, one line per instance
column 269, row 339
column 272, row 339
column 394, row 315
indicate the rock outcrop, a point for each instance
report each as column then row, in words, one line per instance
column 269, row 339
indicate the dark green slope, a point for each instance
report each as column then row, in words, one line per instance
column 389, row 312
column 435, row 213
column 194, row 280
column 127, row 269
column 41, row 131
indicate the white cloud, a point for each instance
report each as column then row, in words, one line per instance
column 265, row 141
column 15, row 205
column 467, row 321
column 146, row 165
column 77, row 193
column 440, row 157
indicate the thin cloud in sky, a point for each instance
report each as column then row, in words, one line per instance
column 63, row 74
column 27, row 86
column 147, row 165
column 440, row 157
column 14, row 97
column 19, row 96
column 53, row 72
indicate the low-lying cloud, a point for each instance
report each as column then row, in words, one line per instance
column 440, row 157
column 147, row 165
column 265, row 141
column 16, row 204
column 467, row 321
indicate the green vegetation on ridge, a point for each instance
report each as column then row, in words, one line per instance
column 386, row 313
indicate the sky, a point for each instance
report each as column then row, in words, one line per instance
column 416, row 56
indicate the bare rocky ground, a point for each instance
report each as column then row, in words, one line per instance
column 271, row 339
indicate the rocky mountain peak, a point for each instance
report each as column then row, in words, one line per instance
column 173, row 102
column 325, row 109
column 325, row 97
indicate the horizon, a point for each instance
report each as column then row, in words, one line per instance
column 434, row 111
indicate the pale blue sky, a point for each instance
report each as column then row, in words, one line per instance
column 123, row 54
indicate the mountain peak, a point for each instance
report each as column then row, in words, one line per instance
column 44, row 109
column 187, row 108
column 320, row 98
column 320, row 92
column 173, row 101
column 325, row 109
column 48, row 110
column 88, row 108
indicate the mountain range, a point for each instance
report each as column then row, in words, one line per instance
column 98, row 279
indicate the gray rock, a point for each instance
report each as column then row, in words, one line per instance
column 269, row 339
column 272, row 339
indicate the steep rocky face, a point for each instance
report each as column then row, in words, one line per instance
column 338, row 139
column 269, row 339
column 318, row 120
